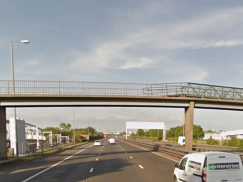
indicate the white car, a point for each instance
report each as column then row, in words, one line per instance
column 97, row 143
column 112, row 141
column 209, row 167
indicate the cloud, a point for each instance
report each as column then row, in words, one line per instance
column 131, row 50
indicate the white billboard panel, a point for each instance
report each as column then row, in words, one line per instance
column 145, row 125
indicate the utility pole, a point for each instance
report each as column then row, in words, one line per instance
column 73, row 128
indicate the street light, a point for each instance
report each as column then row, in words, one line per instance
column 73, row 128
column 13, row 81
column 158, row 121
column 88, row 123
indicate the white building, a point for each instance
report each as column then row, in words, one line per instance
column 21, row 135
column 224, row 135
column 25, row 132
column 215, row 136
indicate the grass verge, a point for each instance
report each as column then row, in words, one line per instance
column 36, row 156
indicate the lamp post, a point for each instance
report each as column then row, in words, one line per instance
column 88, row 123
column 158, row 121
column 73, row 128
column 13, row 82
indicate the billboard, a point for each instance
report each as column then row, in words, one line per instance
column 145, row 125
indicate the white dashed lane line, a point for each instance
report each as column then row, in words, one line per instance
column 97, row 159
column 131, row 157
column 55, row 164
column 140, row 166
column 91, row 170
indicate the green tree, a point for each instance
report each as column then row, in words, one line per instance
column 211, row 141
column 65, row 126
column 197, row 132
column 178, row 131
column 141, row 132
column 55, row 130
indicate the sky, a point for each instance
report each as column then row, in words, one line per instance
column 139, row 41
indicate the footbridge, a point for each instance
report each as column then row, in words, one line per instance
column 26, row 93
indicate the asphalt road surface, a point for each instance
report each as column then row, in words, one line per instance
column 107, row 163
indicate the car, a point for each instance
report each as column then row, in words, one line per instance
column 209, row 167
column 97, row 143
column 112, row 141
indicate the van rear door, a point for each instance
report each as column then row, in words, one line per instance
column 235, row 173
column 217, row 168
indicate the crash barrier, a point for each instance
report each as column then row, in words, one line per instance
column 172, row 150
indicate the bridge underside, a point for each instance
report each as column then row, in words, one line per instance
column 116, row 101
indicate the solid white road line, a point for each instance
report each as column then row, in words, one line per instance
column 140, row 166
column 55, row 164
column 153, row 152
column 91, row 170
column 96, row 159
column 131, row 157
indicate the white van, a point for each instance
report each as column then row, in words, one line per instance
column 112, row 141
column 209, row 167
column 181, row 141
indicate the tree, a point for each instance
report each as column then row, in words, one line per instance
column 140, row 132
column 178, row 131
column 197, row 132
column 65, row 126
column 55, row 130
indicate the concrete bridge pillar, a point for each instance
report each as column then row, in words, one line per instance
column 189, row 118
column 3, row 132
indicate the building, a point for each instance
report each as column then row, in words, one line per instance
column 224, row 135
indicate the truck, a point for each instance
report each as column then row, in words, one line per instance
column 85, row 137
column 105, row 137
column 181, row 141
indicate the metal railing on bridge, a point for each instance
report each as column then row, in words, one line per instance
column 26, row 87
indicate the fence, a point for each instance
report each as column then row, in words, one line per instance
column 25, row 87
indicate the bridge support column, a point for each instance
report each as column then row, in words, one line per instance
column 189, row 118
column 3, row 132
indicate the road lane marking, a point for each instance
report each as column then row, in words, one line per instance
column 91, row 170
column 96, row 159
column 153, row 152
column 131, row 157
column 55, row 164
column 140, row 166
column 122, row 149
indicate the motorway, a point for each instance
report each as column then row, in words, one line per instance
column 120, row 162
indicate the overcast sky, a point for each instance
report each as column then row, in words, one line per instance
column 137, row 41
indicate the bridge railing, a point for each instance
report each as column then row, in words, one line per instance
column 213, row 91
column 25, row 87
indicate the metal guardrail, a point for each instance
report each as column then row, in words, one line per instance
column 27, row 87
column 174, row 151
column 169, row 150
